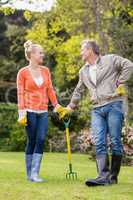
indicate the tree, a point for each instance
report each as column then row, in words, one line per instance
column 121, row 32
column 11, row 54
column 3, row 39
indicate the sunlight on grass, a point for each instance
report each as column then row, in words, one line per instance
column 14, row 186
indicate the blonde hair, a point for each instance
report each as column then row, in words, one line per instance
column 29, row 47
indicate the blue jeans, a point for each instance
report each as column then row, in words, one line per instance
column 108, row 120
column 37, row 126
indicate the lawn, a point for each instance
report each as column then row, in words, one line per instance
column 14, row 186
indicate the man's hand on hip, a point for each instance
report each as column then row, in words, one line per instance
column 121, row 90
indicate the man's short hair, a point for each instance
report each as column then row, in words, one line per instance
column 91, row 44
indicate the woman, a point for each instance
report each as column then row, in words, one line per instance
column 34, row 89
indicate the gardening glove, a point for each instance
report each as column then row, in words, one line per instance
column 62, row 111
column 58, row 108
column 67, row 111
column 121, row 90
column 22, row 119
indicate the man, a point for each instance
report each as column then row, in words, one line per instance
column 104, row 77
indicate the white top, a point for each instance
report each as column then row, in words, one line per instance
column 36, row 111
column 38, row 80
column 92, row 71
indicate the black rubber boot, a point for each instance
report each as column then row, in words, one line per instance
column 115, row 168
column 102, row 162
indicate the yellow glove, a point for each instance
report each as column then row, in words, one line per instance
column 58, row 109
column 66, row 112
column 22, row 120
column 63, row 111
column 121, row 90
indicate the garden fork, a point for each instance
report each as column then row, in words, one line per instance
column 70, row 174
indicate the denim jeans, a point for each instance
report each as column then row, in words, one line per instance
column 108, row 120
column 37, row 126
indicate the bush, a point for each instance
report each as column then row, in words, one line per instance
column 128, row 140
column 17, row 138
column 12, row 136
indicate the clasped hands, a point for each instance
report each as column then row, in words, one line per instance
column 63, row 111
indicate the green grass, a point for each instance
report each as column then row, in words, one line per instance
column 14, row 186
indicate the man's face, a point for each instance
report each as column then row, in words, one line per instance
column 86, row 53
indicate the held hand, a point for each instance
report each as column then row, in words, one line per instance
column 121, row 90
column 22, row 120
column 67, row 111
column 58, row 109
column 63, row 111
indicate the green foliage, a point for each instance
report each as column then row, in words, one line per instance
column 7, row 118
column 7, row 10
column 13, row 39
column 4, row 40
column 121, row 32
column 85, row 111
column 17, row 140
column 60, row 32
column 11, row 54
column 7, row 70
column 12, row 135
column 69, row 62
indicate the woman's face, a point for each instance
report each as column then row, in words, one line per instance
column 37, row 55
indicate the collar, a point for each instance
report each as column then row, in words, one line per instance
column 96, row 62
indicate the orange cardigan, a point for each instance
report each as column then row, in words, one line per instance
column 32, row 96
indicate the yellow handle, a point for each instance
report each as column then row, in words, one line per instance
column 68, row 145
